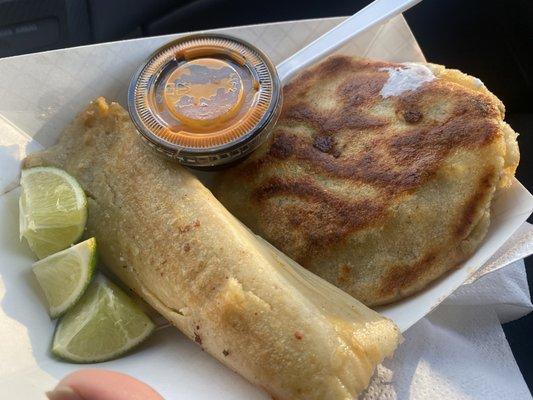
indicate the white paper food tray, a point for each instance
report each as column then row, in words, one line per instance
column 41, row 93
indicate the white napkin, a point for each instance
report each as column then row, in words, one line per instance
column 459, row 351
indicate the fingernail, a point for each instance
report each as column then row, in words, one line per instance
column 63, row 393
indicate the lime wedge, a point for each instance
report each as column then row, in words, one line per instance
column 104, row 324
column 53, row 210
column 64, row 276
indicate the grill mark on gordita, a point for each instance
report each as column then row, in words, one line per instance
column 337, row 217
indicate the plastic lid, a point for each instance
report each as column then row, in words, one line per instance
column 206, row 100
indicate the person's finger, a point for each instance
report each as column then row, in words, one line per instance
column 97, row 384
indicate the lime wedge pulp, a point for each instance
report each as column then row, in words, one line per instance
column 102, row 325
column 53, row 210
column 64, row 276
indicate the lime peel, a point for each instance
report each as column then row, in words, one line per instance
column 103, row 325
column 64, row 276
column 53, row 210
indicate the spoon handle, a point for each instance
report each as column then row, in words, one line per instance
column 373, row 14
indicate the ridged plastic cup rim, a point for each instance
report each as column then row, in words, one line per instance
column 182, row 153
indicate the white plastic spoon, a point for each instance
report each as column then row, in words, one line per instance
column 373, row 14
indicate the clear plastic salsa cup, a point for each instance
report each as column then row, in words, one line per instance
column 205, row 100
